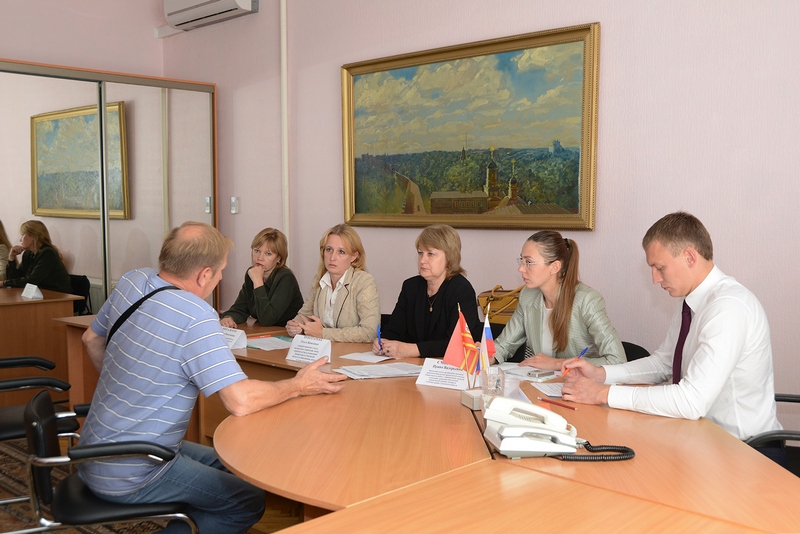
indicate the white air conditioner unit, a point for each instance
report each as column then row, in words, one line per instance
column 190, row 14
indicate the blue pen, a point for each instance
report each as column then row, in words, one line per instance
column 380, row 345
column 578, row 358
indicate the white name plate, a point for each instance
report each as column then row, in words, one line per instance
column 32, row 292
column 441, row 375
column 235, row 338
column 309, row 349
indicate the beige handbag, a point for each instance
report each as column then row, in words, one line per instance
column 500, row 303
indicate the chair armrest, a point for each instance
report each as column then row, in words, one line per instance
column 127, row 448
column 81, row 410
column 773, row 435
column 27, row 361
column 785, row 397
column 30, row 382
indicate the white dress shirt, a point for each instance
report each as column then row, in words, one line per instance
column 727, row 364
column 325, row 283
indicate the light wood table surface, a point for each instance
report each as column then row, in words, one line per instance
column 27, row 329
column 690, row 465
column 491, row 496
column 332, row 451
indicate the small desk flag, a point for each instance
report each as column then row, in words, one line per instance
column 461, row 351
column 487, row 346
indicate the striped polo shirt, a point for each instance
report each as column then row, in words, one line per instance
column 169, row 349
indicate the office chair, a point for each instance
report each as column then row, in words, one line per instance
column 793, row 453
column 71, row 502
column 634, row 351
column 12, row 424
column 81, row 286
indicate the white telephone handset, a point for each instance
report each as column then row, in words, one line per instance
column 518, row 429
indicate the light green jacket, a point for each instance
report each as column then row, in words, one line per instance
column 589, row 326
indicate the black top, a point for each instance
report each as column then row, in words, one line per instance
column 413, row 321
column 43, row 269
column 272, row 304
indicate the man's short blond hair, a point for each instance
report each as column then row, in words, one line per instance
column 679, row 230
column 191, row 247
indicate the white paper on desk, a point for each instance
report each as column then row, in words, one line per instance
column 32, row 292
column 551, row 390
column 389, row 370
column 268, row 343
column 365, row 357
column 438, row 374
column 235, row 338
column 307, row 349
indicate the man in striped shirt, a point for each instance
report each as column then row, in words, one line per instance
column 151, row 370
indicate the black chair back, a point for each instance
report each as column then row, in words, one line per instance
column 634, row 351
column 42, row 430
column 81, row 286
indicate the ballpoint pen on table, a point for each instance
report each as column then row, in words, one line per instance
column 558, row 403
column 578, row 358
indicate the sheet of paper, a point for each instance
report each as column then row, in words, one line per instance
column 551, row 390
column 307, row 349
column 438, row 374
column 365, row 357
column 235, row 338
column 268, row 343
column 389, row 370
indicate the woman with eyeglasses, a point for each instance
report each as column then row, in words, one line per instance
column 270, row 292
column 41, row 263
column 426, row 312
column 557, row 316
column 343, row 304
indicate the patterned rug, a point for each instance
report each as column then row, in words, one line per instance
column 14, row 482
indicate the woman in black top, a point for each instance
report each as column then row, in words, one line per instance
column 427, row 309
column 270, row 292
column 41, row 263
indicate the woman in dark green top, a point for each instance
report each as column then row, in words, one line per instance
column 270, row 292
column 41, row 263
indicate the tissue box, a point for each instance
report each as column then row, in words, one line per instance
column 471, row 398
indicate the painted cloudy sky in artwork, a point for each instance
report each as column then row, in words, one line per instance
column 69, row 144
column 518, row 99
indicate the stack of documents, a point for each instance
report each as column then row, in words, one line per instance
column 390, row 370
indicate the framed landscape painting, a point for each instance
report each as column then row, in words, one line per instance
column 65, row 180
column 492, row 134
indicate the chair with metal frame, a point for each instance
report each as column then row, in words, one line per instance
column 781, row 436
column 12, row 424
column 71, row 502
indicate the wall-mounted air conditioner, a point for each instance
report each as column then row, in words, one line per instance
column 190, row 14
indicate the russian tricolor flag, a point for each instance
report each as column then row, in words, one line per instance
column 487, row 345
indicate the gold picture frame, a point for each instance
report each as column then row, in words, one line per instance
column 492, row 134
column 65, row 181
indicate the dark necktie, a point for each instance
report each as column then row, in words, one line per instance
column 686, row 320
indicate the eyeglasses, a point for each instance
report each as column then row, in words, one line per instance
column 528, row 263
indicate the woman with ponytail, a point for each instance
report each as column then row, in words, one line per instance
column 557, row 316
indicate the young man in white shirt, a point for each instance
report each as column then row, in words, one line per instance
column 719, row 367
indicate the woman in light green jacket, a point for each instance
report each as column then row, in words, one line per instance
column 557, row 316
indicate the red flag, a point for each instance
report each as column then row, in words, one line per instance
column 461, row 351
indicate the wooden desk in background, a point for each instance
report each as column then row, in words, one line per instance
column 27, row 329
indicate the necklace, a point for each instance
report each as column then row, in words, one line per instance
column 430, row 302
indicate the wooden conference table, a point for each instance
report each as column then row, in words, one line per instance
column 27, row 329
column 365, row 450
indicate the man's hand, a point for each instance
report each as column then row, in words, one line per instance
column 584, row 382
column 313, row 382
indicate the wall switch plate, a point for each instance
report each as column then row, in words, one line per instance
column 234, row 204
column 208, row 204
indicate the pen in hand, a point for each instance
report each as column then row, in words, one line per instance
column 578, row 358
column 380, row 345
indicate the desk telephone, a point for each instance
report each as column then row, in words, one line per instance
column 518, row 429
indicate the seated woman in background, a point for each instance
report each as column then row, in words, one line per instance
column 5, row 248
column 557, row 315
column 427, row 309
column 41, row 263
column 343, row 304
column 270, row 292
